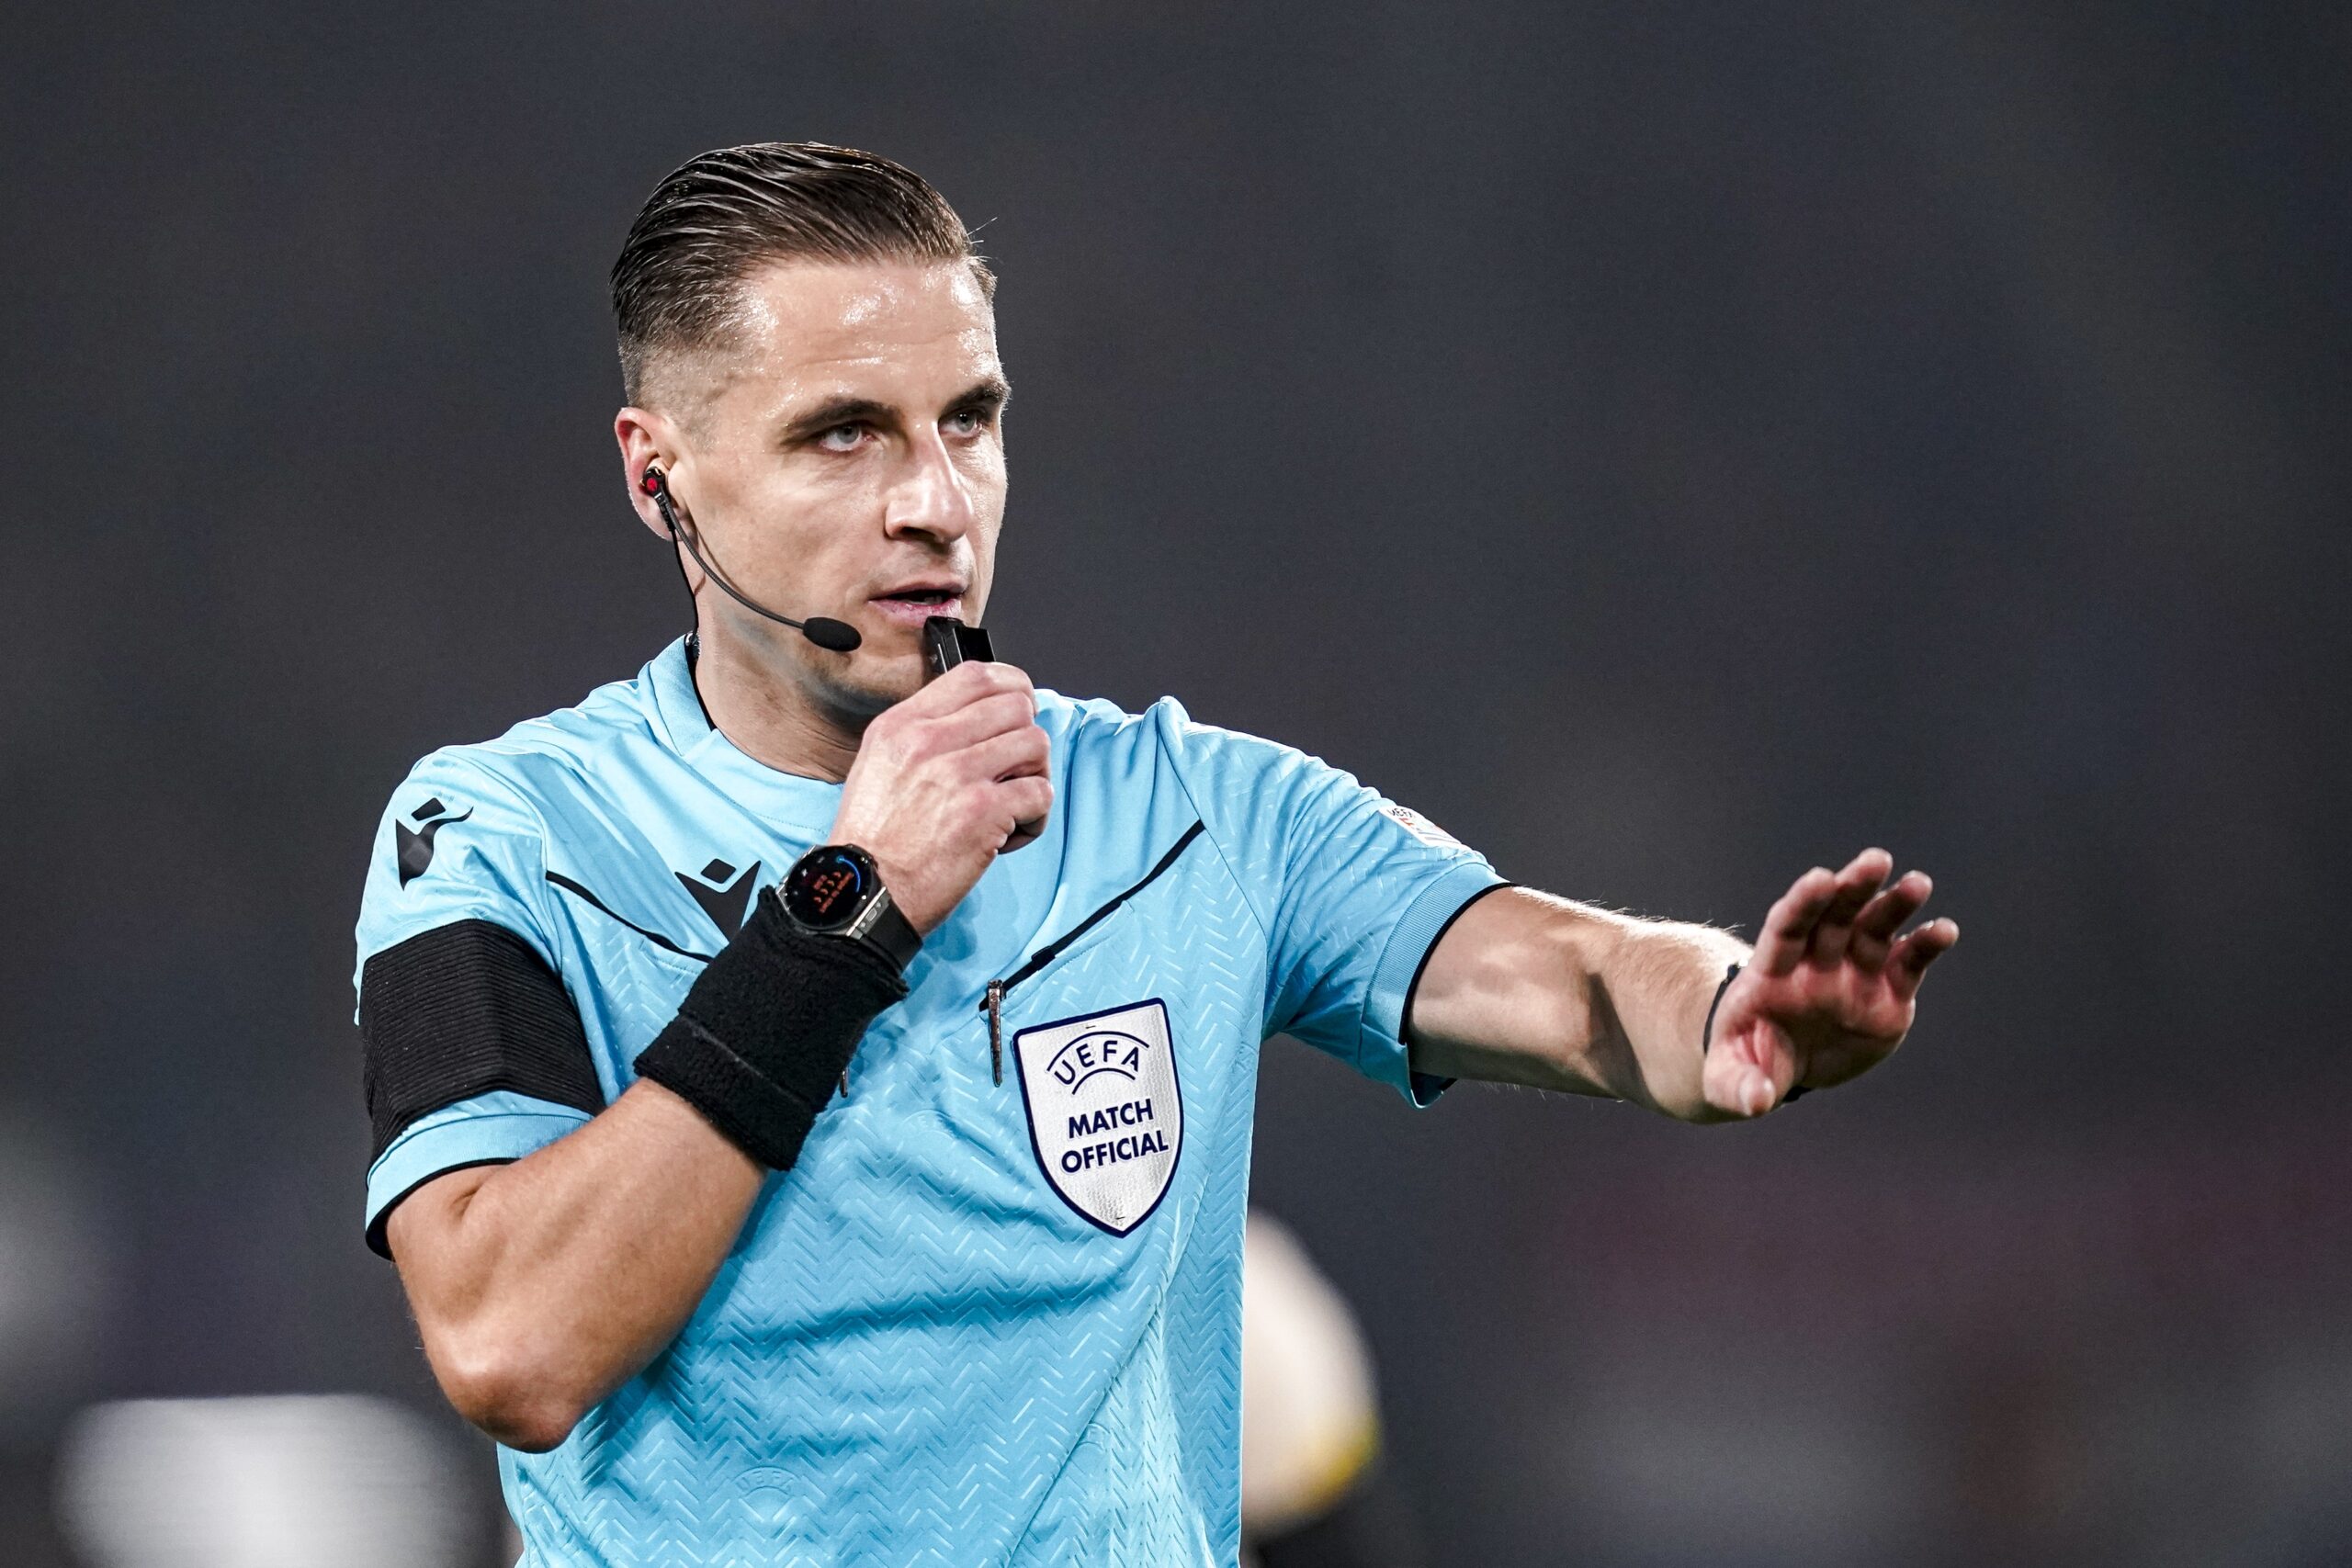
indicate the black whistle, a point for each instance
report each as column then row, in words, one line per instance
column 948, row 642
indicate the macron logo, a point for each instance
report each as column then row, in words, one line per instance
column 723, row 893
column 414, row 852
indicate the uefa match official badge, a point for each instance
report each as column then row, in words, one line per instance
column 1106, row 1115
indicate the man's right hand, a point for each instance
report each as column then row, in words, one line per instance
column 944, row 783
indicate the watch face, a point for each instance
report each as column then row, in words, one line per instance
column 826, row 889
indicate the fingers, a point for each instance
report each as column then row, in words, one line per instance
column 1025, row 802
column 1875, row 927
column 991, row 716
column 943, row 782
column 965, row 684
column 1908, row 964
column 1826, row 917
column 1017, row 753
column 1788, row 926
column 1857, row 884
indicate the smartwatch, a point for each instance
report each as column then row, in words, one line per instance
column 835, row 890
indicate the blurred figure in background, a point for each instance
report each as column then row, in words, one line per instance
column 1313, row 1492
column 287, row 1481
column 58, row 1271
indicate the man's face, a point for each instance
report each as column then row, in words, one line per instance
column 843, row 456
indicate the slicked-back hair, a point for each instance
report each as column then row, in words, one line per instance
column 716, row 218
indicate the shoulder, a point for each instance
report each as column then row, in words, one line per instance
column 1239, row 787
column 465, row 834
column 1087, row 721
column 539, row 765
column 1095, row 725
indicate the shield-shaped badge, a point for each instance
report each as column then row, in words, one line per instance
column 1106, row 1116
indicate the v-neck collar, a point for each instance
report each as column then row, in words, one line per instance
column 704, row 747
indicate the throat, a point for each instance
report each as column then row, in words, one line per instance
column 758, row 695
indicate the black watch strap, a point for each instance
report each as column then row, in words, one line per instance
column 882, row 928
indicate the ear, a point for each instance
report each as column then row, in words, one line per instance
column 646, row 440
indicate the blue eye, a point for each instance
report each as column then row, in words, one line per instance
column 841, row 437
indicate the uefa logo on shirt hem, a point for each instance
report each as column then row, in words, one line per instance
column 1106, row 1113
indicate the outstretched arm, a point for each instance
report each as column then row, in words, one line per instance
column 1532, row 990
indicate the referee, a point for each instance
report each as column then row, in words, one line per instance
column 810, row 1103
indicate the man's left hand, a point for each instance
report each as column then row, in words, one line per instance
column 1829, row 991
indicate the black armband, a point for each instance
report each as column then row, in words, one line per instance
column 768, row 1030
column 463, row 1009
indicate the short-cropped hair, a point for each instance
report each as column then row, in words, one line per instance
column 716, row 218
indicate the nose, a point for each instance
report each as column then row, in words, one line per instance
column 932, row 497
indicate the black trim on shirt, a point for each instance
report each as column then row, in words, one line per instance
column 1412, row 990
column 1061, row 944
column 656, row 938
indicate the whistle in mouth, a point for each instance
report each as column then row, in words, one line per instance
column 948, row 642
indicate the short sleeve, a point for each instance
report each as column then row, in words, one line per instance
column 456, row 842
column 1354, row 890
column 473, row 1051
column 488, row 1129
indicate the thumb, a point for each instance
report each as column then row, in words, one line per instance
column 1749, row 1068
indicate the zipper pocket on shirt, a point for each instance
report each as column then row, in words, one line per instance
column 992, row 1001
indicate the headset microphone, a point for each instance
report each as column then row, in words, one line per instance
column 833, row 637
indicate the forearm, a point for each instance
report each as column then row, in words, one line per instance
column 1528, row 988
column 1657, row 980
column 543, row 1285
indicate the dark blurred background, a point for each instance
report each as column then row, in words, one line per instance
column 1670, row 445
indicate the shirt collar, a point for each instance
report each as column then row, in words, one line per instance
column 702, row 747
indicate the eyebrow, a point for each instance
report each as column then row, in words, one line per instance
column 989, row 392
column 839, row 411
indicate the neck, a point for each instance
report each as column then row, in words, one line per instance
column 753, row 699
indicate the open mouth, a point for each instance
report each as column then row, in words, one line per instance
column 912, row 606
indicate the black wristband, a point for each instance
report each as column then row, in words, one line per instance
column 767, row 1031
column 1707, row 1030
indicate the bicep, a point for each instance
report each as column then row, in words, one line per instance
column 473, row 1055
column 1509, row 993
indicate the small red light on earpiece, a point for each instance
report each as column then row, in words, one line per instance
column 651, row 483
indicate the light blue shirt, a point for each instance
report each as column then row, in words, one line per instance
column 978, row 1322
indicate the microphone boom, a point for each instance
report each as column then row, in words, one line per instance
column 832, row 636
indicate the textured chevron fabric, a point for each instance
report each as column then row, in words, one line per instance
column 980, row 1322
